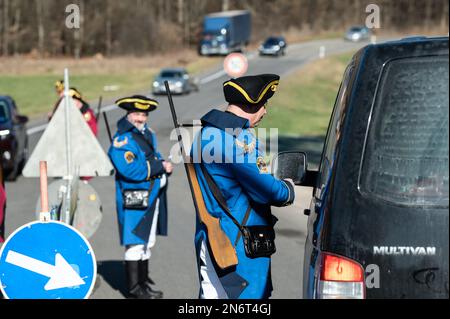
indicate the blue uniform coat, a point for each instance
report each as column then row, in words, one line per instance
column 138, row 166
column 231, row 155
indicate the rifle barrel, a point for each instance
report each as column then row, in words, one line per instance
column 107, row 126
column 99, row 106
column 175, row 119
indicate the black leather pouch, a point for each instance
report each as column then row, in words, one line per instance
column 259, row 241
column 135, row 199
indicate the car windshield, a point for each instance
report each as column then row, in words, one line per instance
column 4, row 112
column 272, row 41
column 406, row 157
column 355, row 29
column 171, row 74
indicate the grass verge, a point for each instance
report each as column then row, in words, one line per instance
column 305, row 99
column 31, row 82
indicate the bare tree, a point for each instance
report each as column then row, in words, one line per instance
column 40, row 26
column 16, row 29
column 79, row 33
column 180, row 12
column 444, row 16
column 5, row 27
column 142, row 26
column 225, row 5
column 108, row 27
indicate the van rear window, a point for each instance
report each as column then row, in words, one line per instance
column 406, row 158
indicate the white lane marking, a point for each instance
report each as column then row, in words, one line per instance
column 212, row 77
column 36, row 129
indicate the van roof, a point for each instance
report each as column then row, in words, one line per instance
column 228, row 13
column 413, row 40
column 410, row 46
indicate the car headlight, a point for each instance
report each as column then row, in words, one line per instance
column 4, row 134
column 261, row 48
column 178, row 84
column 7, row 155
column 155, row 84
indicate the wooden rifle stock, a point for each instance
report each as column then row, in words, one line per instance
column 222, row 250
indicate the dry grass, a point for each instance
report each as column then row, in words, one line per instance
column 99, row 65
column 30, row 81
column 303, row 105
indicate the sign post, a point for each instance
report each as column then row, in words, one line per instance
column 47, row 259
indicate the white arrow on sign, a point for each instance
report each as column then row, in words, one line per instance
column 61, row 275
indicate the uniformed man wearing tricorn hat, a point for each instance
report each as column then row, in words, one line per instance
column 141, row 184
column 238, row 190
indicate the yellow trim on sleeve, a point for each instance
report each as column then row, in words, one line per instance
column 149, row 170
column 247, row 97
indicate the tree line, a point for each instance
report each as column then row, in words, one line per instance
column 117, row 27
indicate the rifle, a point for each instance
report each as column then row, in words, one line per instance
column 107, row 126
column 99, row 106
column 222, row 250
column 99, row 112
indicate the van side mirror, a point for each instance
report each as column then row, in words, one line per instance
column 21, row 119
column 291, row 165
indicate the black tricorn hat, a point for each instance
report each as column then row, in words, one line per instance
column 251, row 90
column 137, row 103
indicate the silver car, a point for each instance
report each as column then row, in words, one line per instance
column 357, row 33
column 179, row 82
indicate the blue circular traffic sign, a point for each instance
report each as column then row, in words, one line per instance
column 47, row 260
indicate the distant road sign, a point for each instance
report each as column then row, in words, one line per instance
column 235, row 64
column 47, row 261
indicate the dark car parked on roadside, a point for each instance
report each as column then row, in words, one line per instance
column 13, row 138
column 2, row 207
column 378, row 224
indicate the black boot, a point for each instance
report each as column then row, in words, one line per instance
column 146, row 281
column 135, row 289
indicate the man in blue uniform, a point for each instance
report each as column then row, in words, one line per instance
column 226, row 153
column 141, row 184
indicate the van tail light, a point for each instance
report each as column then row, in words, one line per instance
column 340, row 278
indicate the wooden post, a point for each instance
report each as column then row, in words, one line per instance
column 44, row 214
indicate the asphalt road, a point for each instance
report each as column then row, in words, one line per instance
column 173, row 264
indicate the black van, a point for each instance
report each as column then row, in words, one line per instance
column 378, row 221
